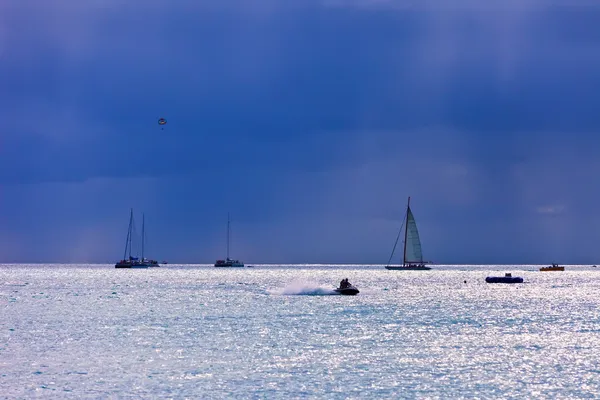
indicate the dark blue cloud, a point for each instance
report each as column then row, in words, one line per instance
column 307, row 115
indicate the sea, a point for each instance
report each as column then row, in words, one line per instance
column 281, row 332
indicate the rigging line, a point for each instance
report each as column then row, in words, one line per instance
column 136, row 242
column 397, row 238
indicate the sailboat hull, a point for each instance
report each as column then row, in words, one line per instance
column 130, row 265
column 229, row 263
column 408, row 268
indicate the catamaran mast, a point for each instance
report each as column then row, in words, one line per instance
column 406, row 232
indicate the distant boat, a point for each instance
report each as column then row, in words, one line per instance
column 412, row 259
column 228, row 262
column 507, row 278
column 128, row 260
column 151, row 263
column 554, row 267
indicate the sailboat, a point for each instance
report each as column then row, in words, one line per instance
column 413, row 255
column 151, row 263
column 228, row 262
column 128, row 260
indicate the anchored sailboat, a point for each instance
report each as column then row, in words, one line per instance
column 128, row 260
column 229, row 262
column 151, row 263
column 413, row 255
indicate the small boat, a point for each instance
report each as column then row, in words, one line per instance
column 507, row 278
column 413, row 255
column 347, row 291
column 554, row 267
column 228, row 262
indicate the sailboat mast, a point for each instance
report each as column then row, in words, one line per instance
column 128, row 241
column 406, row 232
column 131, row 234
column 143, row 234
column 228, row 236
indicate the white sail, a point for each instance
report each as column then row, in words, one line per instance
column 413, row 253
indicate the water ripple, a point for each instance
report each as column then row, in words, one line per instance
column 199, row 332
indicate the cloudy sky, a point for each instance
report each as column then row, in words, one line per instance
column 310, row 121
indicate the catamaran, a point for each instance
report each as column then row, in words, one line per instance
column 228, row 262
column 413, row 254
column 128, row 260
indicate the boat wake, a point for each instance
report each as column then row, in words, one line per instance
column 304, row 289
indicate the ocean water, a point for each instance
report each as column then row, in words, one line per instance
column 279, row 332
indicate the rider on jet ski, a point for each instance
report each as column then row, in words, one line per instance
column 344, row 284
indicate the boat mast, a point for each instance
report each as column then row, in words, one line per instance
column 406, row 232
column 228, row 236
column 128, row 240
column 131, row 234
column 143, row 235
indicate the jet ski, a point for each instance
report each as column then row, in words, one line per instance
column 348, row 290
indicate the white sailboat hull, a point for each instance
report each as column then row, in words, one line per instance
column 408, row 267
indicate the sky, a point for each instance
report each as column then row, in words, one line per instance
column 310, row 122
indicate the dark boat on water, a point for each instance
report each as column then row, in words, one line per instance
column 346, row 288
column 348, row 291
column 130, row 261
column 229, row 262
column 507, row 278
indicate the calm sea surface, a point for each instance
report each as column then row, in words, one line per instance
column 195, row 331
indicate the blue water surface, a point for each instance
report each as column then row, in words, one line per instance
column 93, row 331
